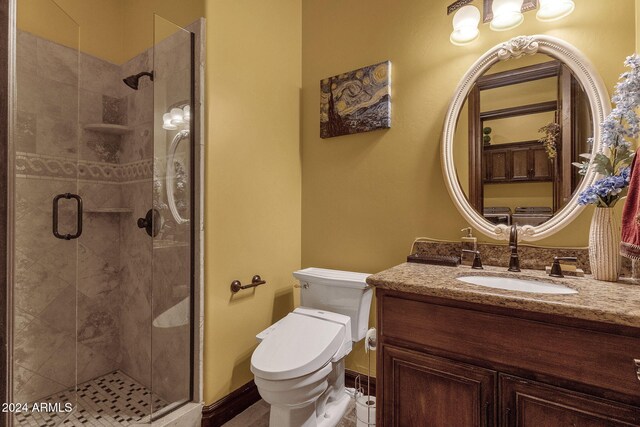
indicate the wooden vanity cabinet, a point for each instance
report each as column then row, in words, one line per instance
column 432, row 391
column 444, row 363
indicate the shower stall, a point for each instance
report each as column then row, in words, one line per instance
column 105, row 221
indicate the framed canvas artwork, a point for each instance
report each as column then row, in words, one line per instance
column 357, row 101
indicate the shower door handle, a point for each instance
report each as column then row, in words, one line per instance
column 56, row 202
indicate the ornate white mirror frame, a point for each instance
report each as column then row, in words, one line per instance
column 599, row 102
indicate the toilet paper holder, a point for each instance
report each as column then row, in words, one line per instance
column 237, row 286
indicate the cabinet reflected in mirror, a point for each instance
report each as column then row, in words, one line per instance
column 507, row 172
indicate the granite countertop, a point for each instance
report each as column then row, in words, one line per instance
column 616, row 303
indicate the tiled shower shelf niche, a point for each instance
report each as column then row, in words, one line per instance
column 109, row 128
column 108, row 210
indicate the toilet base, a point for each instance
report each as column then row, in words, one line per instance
column 334, row 411
column 322, row 398
column 305, row 416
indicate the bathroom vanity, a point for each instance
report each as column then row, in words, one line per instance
column 457, row 354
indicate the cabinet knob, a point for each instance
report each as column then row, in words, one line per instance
column 636, row 362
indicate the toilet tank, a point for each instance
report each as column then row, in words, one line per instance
column 343, row 292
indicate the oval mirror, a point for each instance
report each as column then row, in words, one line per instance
column 522, row 114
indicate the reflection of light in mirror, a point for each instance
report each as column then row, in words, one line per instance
column 553, row 10
column 166, row 122
column 507, row 14
column 465, row 25
column 176, row 117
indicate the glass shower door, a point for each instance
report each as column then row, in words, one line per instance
column 102, row 296
column 172, row 261
column 47, row 215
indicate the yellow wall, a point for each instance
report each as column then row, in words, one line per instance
column 519, row 128
column 115, row 30
column 637, row 25
column 253, row 178
column 518, row 194
column 367, row 196
column 138, row 22
column 96, row 23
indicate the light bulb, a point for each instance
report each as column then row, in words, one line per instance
column 166, row 122
column 507, row 14
column 177, row 116
column 552, row 10
column 187, row 113
column 465, row 25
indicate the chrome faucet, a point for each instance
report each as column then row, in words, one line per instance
column 514, row 260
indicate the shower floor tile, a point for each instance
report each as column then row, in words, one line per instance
column 114, row 399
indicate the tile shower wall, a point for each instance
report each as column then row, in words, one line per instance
column 113, row 325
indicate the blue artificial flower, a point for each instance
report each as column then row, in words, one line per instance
column 619, row 129
column 602, row 191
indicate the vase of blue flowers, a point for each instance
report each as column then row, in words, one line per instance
column 619, row 130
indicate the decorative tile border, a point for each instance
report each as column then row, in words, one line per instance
column 36, row 165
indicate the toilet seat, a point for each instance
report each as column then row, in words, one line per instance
column 303, row 342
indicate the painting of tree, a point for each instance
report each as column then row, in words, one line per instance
column 357, row 101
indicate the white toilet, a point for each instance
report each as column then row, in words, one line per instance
column 299, row 363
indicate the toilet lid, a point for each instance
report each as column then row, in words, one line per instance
column 299, row 346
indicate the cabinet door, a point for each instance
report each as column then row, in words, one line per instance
column 520, row 164
column 422, row 390
column 497, row 165
column 541, row 165
column 525, row 403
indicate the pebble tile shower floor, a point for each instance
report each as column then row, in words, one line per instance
column 114, row 399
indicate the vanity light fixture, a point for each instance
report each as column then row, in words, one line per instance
column 166, row 122
column 176, row 117
column 507, row 14
column 502, row 15
column 553, row 10
column 465, row 25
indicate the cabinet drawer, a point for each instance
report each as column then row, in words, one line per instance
column 562, row 354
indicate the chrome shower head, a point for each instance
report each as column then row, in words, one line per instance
column 133, row 81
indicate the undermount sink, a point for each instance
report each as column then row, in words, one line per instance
column 521, row 285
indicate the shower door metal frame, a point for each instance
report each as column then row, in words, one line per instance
column 192, row 202
column 7, row 12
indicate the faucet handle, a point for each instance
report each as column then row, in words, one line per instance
column 556, row 270
column 565, row 258
column 477, row 262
